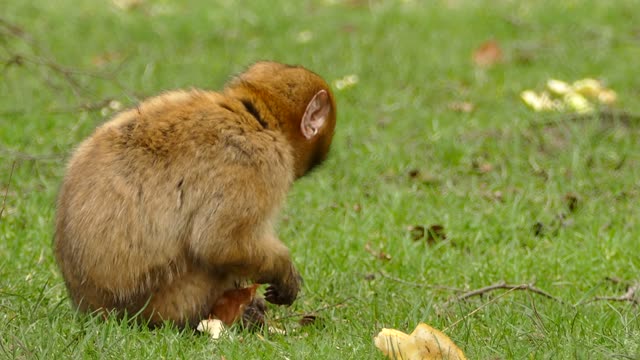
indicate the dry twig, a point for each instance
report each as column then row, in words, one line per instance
column 326, row 307
column 632, row 295
column 6, row 191
column 70, row 75
column 478, row 309
column 499, row 286
column 22, row 156
column 503, row 286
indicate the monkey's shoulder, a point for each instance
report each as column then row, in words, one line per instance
column 180, row 129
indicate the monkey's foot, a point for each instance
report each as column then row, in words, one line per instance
column 253, row 316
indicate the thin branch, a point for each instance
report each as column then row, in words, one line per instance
column 6, row 191
column 503, row 286
column 68, row 74
column 22, row 156
column 15, row 30
column 631, row 295
column 89, row 106
column 478, row 309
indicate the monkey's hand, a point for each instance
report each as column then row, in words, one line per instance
column 285, row 291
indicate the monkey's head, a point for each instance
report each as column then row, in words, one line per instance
column 298, row 102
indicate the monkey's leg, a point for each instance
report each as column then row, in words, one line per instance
column 185, row 300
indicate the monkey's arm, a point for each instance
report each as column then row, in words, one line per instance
column 259, row 257
column 233, row 234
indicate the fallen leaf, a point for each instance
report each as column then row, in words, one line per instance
column 105, row 59
column 485, row 168
column 308, row 319
column 417, row 232
column 427, row 179
column 127, row 4
column 538, row 229
column 348, row 28
column 379, row 254
column 435, row 233
column 424, row 343
column 414, row 173
column 494, row 195
column 461, row 106
column 384, row 121
column 572, row 201
column 481, row 167
column 487, row 54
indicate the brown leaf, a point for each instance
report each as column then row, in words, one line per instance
column 487, row 54
column 128, row 4
column 105, row 59
column 384, row 121
column 427, row 179
column 572, row 201
column 538, row 229
column 461, row 106
column 417, row 232
column 348, row 28
column 379, row 254
column 495, row 195
column 435, row 233
column 414, row 173
column 370, row 277
column 481, row 167
column 485, row 168
column 308, row 319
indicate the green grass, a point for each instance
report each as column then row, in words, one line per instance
column 488, row 177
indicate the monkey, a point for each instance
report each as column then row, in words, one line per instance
column 172, row 203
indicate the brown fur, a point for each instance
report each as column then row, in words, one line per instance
column 170, row 204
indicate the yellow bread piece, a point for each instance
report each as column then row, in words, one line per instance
column 424, row 343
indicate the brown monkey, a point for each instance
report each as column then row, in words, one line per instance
column 170, row 204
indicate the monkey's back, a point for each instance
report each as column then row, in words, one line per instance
column 158, row 182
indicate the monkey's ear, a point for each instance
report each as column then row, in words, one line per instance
column 316, row 114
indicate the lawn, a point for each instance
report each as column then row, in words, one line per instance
column 441, row 181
